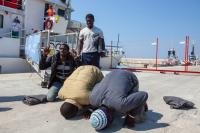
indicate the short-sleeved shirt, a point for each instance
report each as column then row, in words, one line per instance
column 15, row 27
column 89, row 36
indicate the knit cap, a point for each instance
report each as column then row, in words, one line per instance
column 99, row 118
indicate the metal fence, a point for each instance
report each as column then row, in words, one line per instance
column 54, row 41
column 37, row 41
column 180, row 57
column 16, row 4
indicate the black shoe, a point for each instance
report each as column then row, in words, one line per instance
column 44, row 84
column 129, row 121
column 145, row 107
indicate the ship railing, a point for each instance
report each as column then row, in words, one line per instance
column 70, row 38
column 8, row 34
column 115, row 51
column 53, row 40
column 16, row 5
column 11, row 35
column 46, row 39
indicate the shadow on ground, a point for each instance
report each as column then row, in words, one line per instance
column 150, row 123
column 11, row 98
column 5, row 109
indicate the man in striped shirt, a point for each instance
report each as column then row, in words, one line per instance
column 62, row 65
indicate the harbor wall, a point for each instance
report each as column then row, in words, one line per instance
column 14, row 65
column 140, row 62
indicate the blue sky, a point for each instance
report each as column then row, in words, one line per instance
column 139, row 22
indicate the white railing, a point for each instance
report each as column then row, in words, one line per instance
column 10, row 35
column 70, row 38
column 15, row 5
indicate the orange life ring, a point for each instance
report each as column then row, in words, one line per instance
column 48, row 24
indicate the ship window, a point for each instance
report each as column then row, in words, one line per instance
column 45, row 10
column 64, row 1
column 61, row 12
column 1, row 21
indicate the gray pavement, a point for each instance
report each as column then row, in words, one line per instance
column 16, row 117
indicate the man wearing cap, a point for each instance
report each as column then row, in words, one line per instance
column 118, row 91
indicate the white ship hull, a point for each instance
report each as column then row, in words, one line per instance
column 105, row 62
column 57, row 34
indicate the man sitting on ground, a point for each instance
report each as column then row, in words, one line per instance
column 62, row 65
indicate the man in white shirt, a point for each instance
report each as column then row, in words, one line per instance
column 89, row 39
column 15, row 27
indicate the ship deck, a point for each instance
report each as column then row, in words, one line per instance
column 16, row 117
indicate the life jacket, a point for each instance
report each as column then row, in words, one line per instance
column 50, row 12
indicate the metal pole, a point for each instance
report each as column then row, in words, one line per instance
column 48, row 38
column 185, row 52
column 157, row 42
column 117, row 42
column 23, row 32
column 111, row 54
column 163, row 70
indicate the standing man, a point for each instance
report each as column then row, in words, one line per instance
column 16, row 27
column 89, row 39
column 50, row 11
column 62, row 65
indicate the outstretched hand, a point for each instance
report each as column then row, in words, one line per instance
column 129, row 121
column 87, row 111
column 102, row 54
column 46, row 51
column 87, row 114
column 74, row 54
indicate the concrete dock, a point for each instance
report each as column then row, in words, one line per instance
column 16, row 117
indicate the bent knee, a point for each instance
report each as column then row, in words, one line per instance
column 144, row 95
column 51, row 98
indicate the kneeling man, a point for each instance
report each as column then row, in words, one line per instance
column 76, row 89
column 118, row 91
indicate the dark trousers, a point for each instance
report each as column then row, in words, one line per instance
column 91, row 59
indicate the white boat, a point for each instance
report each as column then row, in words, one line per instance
column 172, row 59
column 112, row 59
column 33, row 17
